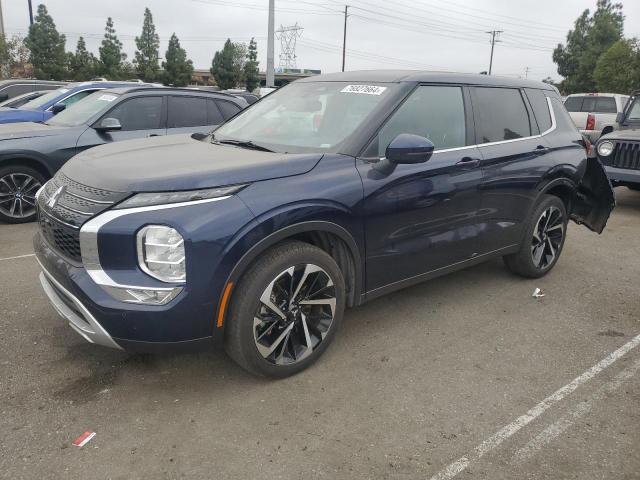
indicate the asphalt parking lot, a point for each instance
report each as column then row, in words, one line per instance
column 466, row 376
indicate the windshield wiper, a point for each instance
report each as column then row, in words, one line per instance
column 244, row 144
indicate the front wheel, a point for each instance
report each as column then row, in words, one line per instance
column 18, row 187
column 285, row 310
column 543, row 240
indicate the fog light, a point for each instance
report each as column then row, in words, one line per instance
column 161, row 253
column 145, row 296
column 605, row 148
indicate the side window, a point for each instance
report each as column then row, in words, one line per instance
column 228, row 109
column 142, row 113
column 434, row 112
column 563, row 120
column 634, row 111
column 76, row 98
column 573, row 104
column 540, row 107
column 187, row 112
column 606, row 105
column 501, row 114
column 214, row 117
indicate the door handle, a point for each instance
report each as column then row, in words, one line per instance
column 540, row 149
column 469, row 162
column 152, row 135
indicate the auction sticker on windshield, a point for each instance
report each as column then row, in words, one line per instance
column 366, row 89
column 107, row 98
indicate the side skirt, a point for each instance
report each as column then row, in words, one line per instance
column 407, row 282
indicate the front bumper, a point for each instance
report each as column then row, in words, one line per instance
column 72, row 309
column 623, row 175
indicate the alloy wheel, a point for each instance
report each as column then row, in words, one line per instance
column 295, row 314
column 547, row 237
column 18, row 195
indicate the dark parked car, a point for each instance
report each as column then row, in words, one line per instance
column 18, row 86
column 620, row 150
column 21, row 99
column 248, row 96
column 30, row 153
column 329, row 192
column 53, row 102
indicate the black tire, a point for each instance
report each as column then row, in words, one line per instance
column 635, row 188
column 541, row 246
column 243, row 337
column 8, row 189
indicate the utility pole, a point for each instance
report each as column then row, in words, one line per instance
column 1, row 20
column 270, row 46
column 494, row 38
column 526, row 72
column 344, row 38
column 30, row 13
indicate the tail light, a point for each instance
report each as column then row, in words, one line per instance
column 591, row 122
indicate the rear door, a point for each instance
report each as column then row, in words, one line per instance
column 190, row 114
column 143, row 116
column 514, row 158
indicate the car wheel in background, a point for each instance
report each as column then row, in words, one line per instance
column 543, row 240
column 285, row 310
column 18, row 187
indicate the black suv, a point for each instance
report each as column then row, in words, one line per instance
column 327, row 193
column 620, row 150
column 30, row 153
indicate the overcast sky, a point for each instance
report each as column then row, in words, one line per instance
column 418, row 34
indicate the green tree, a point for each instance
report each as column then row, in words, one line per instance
column 5, row 57
column 618, row 69
column 225, row 67
column 111, row 55
column 46, row 45
column 591, row 36
column 177, row 67
column 148, row 43
column 251, row 78
column 82, row 63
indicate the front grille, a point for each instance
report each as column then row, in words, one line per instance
column 626, row 155
column 60, row 218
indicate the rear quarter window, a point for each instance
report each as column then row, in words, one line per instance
column 228, row 109
column 540, row 107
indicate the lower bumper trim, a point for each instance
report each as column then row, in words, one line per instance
column 79, row 318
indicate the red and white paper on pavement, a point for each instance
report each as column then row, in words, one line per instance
column 83, row 439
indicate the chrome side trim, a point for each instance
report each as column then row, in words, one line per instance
column 89, row 242
column 87, row 325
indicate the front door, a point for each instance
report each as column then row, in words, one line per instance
column 423, row 217
column 139, row 116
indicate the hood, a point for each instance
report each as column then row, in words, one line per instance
column 179, row 162
column 9, row 115
column 13, row 131
column 626, row 133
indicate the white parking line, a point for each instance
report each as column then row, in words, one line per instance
column 504, row 433
column 566, row 421
column 17, row 256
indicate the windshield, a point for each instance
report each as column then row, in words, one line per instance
column 44, row 99
column 84, row 110
column 305, row 116
column 633, row 114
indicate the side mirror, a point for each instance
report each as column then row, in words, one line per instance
column 57, row 108
column 408, row 148
column 108, row 124
column 620, row 117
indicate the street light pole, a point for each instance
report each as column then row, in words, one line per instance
column 344, row 38
column 270, row 46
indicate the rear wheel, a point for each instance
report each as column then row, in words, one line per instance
column 285, row 310
column 18, row 187
column 543, row 241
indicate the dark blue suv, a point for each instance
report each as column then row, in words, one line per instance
column 327, row 193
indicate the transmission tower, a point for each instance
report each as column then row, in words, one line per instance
column 288, row 37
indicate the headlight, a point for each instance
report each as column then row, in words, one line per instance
column 605, row 148
column 161, row 253
column 163, row 198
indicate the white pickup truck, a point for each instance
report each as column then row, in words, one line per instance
column 595, row 113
